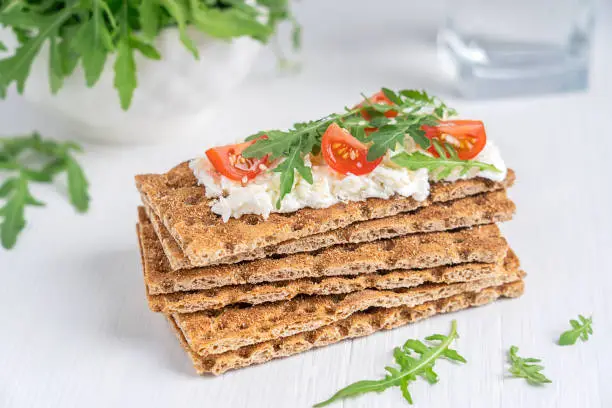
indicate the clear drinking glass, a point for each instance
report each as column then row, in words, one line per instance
column 514, row 47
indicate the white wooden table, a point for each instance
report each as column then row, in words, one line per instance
column 75, row 328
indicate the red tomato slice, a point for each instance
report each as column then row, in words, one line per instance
column 228, row 161
column 468, row 137
column 345, row 154
column 378, row 97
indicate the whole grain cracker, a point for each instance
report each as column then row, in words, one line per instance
column 211, row 299
column 203, row 237
column 484, row 208
column 357, row 325
column 482, row 244
column 218, row 331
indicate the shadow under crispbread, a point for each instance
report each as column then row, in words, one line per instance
column 482, row 244
column 218, row 331
column 357, row 325
column 204, row 238
column 484, row 208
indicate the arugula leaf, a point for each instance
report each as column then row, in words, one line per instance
column 227, row 23
column 439, row 167
column 16, row 68
column 77, row 185
column 524, row 368
column 69, row 58
column 385, row 138
column 415, row 359
column 294, row 162
column 145, row 49
column 56, row 70
column 581, row 329
column 125, row 73
column 148, row 12
column 93, row 42
column 13, row 213
column 15, row 189
column 177, row 11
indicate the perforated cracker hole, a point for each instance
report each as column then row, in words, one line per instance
column 251, row 219
column 310, row 309
column 388, row 245
column 350, row 247
column 245, row 352
column 297, row 226
column 193, row 200
column 290, row 307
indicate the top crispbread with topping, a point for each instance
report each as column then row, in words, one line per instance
column 479, row 209
column 177, row 199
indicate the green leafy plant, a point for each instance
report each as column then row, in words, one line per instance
column 525, row 368
column 441, row 167
column 581, row 329
column 87, row 32
column 414, row 109
column 415, row 359
column 15, row 155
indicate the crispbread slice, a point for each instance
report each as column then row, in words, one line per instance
column 203, row 237
column 194, row 301
column 480, row 244
column 357, row 325
column 485, row 208
column 218, row 331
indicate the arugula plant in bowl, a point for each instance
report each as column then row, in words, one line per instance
column 87, row 32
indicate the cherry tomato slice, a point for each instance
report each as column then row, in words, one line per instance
column 228, row 161
column 468, row 137
column 345, row 154
column 380, row 98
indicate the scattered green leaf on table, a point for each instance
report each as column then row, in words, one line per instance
column 526, row 368
column 415, row 359
column 581, row 329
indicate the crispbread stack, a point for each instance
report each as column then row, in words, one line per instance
column 252, row 289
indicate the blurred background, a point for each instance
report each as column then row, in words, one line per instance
column 464, row 50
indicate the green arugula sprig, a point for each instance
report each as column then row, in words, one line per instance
column 414, row 109
column 15, row 188
column 581, row 329
column 525, row 368
column 415, row 359
column 89, row 31
column 440, row 167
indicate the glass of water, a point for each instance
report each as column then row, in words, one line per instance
column 497, row 48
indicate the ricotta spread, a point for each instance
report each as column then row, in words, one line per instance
column 233, row 199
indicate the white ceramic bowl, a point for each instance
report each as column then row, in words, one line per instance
column 174, row 97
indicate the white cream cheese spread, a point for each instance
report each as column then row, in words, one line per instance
column 259, row 196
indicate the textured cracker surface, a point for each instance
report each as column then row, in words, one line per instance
column 218, row 331
column 479, row 244
column 204, row 238
column 357, row 325
column 484, row 208
column 193, row 301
